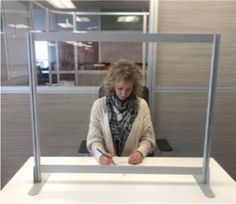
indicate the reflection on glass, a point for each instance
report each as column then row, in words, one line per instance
column 87, row 22
column 60, row 22
column 109, row 22
column 122, row 22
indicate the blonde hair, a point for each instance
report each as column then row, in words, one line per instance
column 123, row 70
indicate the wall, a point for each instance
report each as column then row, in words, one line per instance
column 182, row 78
column 63, row 123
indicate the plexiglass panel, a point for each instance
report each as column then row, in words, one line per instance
column 71, row 63
column 60, row 22
column 183, row 64
column 15, row 23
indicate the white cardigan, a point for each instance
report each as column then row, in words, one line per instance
column 141, row 137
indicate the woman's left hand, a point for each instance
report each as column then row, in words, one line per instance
column 135, row 158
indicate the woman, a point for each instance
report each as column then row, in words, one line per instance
column 120, row 122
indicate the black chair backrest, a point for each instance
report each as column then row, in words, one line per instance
column 145, row 93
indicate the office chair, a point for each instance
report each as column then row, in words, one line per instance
column 162, row 144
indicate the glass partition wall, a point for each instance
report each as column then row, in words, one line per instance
column 72, row 62
column 66, row 63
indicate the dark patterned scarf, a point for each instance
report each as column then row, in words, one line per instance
column 121, row 115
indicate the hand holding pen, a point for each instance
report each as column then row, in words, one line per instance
column 105, row 158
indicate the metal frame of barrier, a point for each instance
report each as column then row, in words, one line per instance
column 201, row 174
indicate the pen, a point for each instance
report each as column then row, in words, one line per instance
column 105, row 155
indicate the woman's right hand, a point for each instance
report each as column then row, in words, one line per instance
column 105, row 159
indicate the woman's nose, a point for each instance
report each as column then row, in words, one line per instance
column 124, row 93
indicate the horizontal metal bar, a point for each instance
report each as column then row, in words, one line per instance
column 99, row 13
column 94, row 89
column 120, row 169
column 69, row 89
column 193, row 89
column 122, row 37
column 91, row 13
column 52, row 89
column 94, row 72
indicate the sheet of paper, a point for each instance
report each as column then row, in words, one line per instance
column 122, row 161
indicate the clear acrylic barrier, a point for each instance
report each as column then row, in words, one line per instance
column 127, row 37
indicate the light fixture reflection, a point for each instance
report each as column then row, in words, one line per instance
column 82, row 19
column 62, row 4
column 128, row 19
column 66, row 24
column 20, row 26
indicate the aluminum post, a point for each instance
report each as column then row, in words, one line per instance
column 33, row 103
column 210, row 106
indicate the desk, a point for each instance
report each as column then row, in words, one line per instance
column 63, row 188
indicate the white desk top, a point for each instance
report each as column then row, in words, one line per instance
column 67, row 188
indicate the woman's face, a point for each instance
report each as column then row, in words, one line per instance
column 123, row 89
